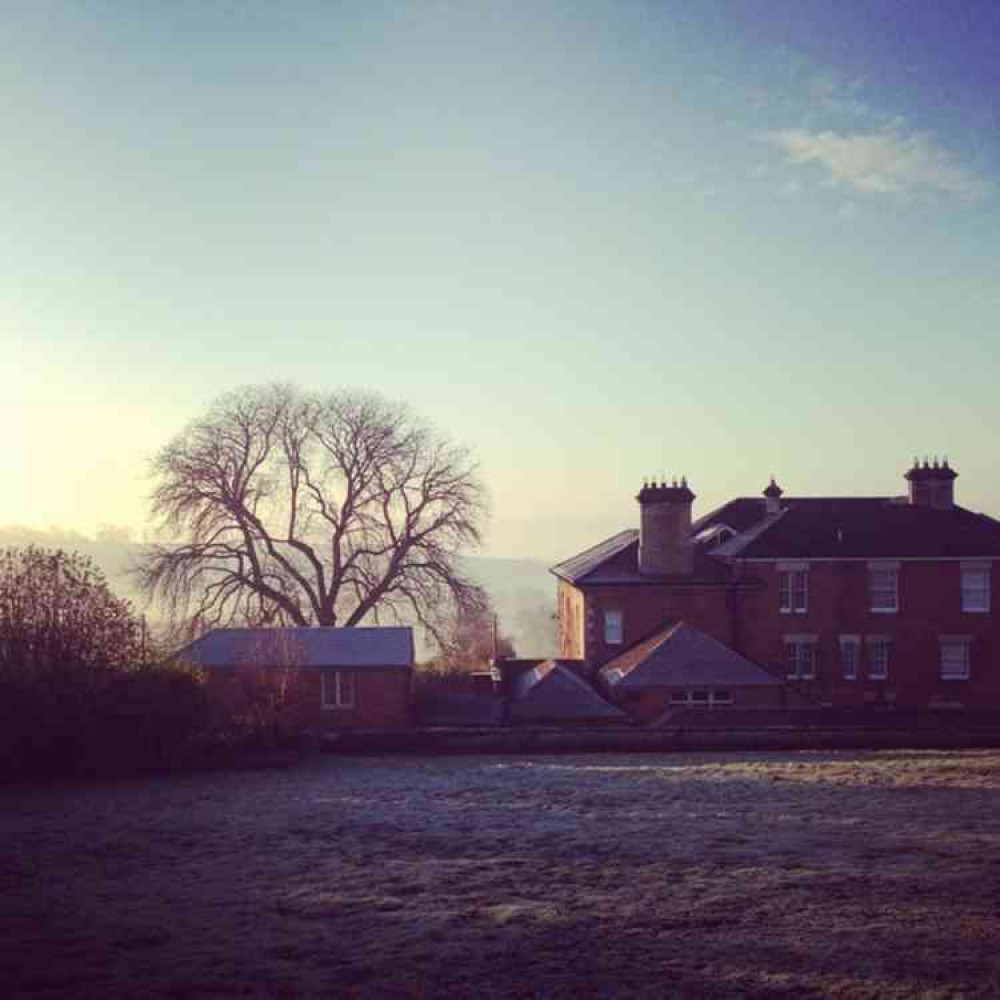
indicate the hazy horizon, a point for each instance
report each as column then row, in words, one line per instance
column 594, row 242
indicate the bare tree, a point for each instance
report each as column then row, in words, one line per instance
column 471, row 641
column 282, row 507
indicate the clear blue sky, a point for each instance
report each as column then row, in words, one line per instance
column 594, row 241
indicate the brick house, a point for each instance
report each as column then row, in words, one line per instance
column 848, row 601
column 334, row 678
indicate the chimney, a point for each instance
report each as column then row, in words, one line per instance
column 772, row 498
column 665, row 546
column 932, row 485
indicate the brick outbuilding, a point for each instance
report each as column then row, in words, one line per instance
column 849, row 601
column 332, row 678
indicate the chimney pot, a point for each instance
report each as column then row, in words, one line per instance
column 932, row 485
column 665, row 546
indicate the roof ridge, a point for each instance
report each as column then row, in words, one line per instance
column 597, row 545
column 603, row 551
column 576, row 678
column 661, row 634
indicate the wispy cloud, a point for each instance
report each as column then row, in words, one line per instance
column 887, row 161
column 832, row 93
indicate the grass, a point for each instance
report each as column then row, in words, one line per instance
column 729, row 875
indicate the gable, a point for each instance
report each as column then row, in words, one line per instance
column 553, row 691
column 681, row 655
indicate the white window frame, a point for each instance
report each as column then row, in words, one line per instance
column 976, row 599
column 849, row 664
column 793, row 589
column 614, row 628
column 954, row 642
column 888, row 606
column 877, row 642
column 801, row 667
column 715, row 699
column 332, row 682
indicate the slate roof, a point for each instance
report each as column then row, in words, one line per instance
column 553, row 692
column 805, row 528
column 868, row 528
column 372, row 648
column 738, row 514
column 680, row 655
column 577, row 567
column 616, row 561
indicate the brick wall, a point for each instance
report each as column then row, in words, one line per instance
column 929, row 607
column 650, row 704
column 381, row 697
column 645, row 608
column 749, row 620
column 571, row 607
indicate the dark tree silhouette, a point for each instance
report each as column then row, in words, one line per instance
column 56, row 610
column 282, row 507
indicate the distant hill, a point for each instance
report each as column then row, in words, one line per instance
column 522, row 590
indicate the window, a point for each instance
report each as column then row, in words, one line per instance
column 793, row 591
column 975, row 589
column 849, row 657
column 613, row 627
column 954, row 659
column 801, row 659
column 883, row 588
column 878, row 659
column 338, row 689
column 701, row 699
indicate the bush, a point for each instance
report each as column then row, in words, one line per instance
column 72, row 722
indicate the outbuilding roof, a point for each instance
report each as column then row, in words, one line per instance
column 681, row 655
column 372, row 648
column 553, row 692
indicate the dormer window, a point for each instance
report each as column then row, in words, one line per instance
column 715, row 535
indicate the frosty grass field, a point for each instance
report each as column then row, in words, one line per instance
column 787, row 874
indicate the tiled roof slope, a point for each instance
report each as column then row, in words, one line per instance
column 616, row 560
column 577, row 567
column 806, row 528
column 391, row 646
column 680, row 654
column 868, row 528
column 554, row 692
column 738, row 514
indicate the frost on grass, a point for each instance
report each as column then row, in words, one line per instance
column 716, row 875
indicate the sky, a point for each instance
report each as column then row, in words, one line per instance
column 593, row 241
